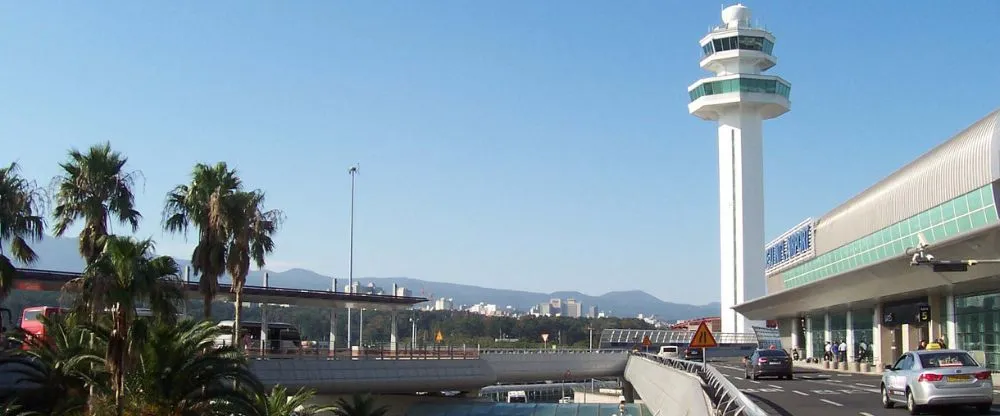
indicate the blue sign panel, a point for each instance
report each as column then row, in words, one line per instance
column 792, row 246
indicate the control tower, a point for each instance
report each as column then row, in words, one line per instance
column 739, row 97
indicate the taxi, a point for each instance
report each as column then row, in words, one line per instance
column 937, row 378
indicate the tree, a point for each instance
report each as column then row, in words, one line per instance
column 56, row 372
column 180, row 371
column 20, row 201
column 360, row 405
column 123, row 276
column 203, row 203
column 251, row 228
column 93, row 187
column 279, row 403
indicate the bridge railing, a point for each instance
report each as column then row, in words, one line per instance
column 726, row 397
column 321, row 351
column 550, row 351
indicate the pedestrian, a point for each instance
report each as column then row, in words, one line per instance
column 843, row 351
column 923, row 345
column 826, row 352
column 835, row 352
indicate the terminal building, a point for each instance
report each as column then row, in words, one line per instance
column 847, row 276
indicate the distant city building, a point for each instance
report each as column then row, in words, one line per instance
column 443, row 304
column 573, row 309
column 555, row 307
column 714, row 324
column 592, row 312
column 402, row 291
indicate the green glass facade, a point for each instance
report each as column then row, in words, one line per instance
column 770, row 86
column 977, row 321
column 818, row 340
column 752, row 43
column 862, row 322
column 963, row 214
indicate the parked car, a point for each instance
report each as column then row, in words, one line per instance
column 768, row 363
column 937, row 377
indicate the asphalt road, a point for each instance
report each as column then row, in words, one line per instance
column 822, row 393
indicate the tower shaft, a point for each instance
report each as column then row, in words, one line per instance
column 741, row 213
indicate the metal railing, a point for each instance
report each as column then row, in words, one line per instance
column 321, row 351
column 385, row 351
column 726, row 397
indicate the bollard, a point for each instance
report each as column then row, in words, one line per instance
column 826, row 365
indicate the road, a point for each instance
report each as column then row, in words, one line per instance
column 822, row 393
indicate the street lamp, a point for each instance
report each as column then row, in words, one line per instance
column 353, row 171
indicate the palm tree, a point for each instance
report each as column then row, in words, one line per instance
column 251, row 228
column 279, row 403
column 122, row 276
column 93, row 187
column 56, row 372
column 360, row 405
column 180, row 371
column 203, row 203
column 20, row 201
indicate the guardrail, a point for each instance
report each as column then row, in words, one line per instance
column 726, row 397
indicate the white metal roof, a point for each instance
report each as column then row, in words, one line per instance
column 969, row 160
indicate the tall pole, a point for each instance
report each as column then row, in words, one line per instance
column 353, row 171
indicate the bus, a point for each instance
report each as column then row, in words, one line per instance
column 283, row 338
column 517, row 396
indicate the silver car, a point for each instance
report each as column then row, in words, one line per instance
column 937, row 377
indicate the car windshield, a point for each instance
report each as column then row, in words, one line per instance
column 771, row 353
column 947, row 359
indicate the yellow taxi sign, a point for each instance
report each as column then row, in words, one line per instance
column 703, row 338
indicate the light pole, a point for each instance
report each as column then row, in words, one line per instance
column 413, row 332
column 353, row 171
column 591, row 329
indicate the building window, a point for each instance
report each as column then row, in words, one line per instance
column 977, row 321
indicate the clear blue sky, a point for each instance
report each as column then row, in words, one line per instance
column 514, row 144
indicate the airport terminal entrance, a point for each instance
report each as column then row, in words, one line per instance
column 907, row 323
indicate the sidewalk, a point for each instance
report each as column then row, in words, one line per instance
column 820, row 366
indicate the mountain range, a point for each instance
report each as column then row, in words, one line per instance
column 61, row 254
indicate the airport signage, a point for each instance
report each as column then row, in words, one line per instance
column 793, row 247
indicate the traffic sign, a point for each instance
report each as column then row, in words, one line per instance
column 703, row 338
column 646, row 342
column 545, row 337
column 439, row 337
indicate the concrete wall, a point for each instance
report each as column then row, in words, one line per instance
column 381, row 376
column 522, row 367
column 667, row 391
column 409, row 376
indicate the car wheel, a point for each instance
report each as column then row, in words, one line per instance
column 790, row 376
column 754, row 377
column 886, row 401
column 984, row 409
column 911, row 406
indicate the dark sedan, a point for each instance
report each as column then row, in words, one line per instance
column 768, row 363
column 693, row 354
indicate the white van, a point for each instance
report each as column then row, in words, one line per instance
column 670, row 351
